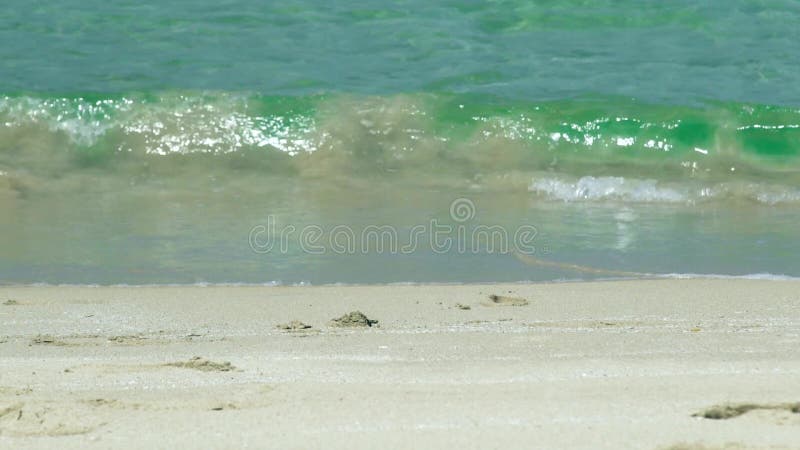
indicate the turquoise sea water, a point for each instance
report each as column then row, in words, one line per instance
column 260, row 142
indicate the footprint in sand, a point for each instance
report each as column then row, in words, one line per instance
column 130, row 339
column 780, row 413
column 204, row 365
column 46, row 419
column 355, row 319
column 729, row 411
column 82, row 340
column 295, row 326
column 43, row 339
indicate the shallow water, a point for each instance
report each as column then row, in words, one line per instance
column 144, row 143
column 221, row 236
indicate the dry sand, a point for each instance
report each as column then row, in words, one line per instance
column 638, row 364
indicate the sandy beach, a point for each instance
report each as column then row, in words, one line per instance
column 616, row 365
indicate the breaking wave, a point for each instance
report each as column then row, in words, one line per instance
column 576, row 150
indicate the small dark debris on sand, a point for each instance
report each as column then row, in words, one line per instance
column 101, row 402
column 354, row 319
column 463, row 306
column 294, row 325
column 10, row 302
column 501, row 300
column 729, row 411
column 41, row 339
column 224, row 407
column 44, row 339
column 198, row 363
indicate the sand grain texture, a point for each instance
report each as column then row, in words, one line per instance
column 605, row 365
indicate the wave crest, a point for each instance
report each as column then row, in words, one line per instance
column 596, row 149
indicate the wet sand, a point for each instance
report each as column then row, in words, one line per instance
column 630, row 364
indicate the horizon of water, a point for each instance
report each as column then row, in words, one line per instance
column 144, row 144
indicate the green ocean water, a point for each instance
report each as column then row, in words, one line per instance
column 148, row 143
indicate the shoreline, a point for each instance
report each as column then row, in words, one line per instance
column 600, row 364
column 303, row 284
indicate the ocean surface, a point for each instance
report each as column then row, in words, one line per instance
column 292, row 142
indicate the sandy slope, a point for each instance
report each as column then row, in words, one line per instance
column 585, row 365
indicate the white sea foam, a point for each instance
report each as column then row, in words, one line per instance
column 607, row 188
column 269, row 284
column 590, row 188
